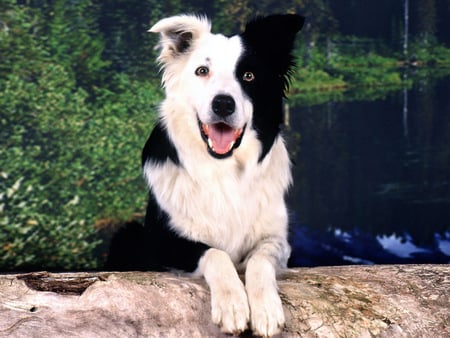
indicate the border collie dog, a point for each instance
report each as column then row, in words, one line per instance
column 218, row 168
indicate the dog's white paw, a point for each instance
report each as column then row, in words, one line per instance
column 229, row 308
column 267, row 316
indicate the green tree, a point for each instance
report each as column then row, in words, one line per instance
column 73, row 39
column 67, row 160
column 39, row 226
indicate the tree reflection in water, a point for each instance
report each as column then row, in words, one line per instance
column 371, row 186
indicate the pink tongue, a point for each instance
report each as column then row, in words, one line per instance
column 221, row 136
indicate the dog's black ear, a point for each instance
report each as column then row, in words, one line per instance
column 272, row 37
column 277, row 30
column 178, row 33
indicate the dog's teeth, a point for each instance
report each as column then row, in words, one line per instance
column 231, row 146
column 210, row 144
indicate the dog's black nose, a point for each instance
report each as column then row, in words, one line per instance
column 223, row 105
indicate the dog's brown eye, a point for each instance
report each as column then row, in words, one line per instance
column 202, row 71
column 248, row 76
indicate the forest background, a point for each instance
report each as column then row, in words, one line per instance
column 80, row 89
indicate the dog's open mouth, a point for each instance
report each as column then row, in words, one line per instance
column 221, row 138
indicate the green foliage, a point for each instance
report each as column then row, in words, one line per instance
column 310, row 79
column 74, row 161
column 19, row 52
column 32, row 237
column 429, row 54
column 40, row 225
column 351, row 63
column 327, row 74
column 72, row 39
column 368, row 70
column 70, row 148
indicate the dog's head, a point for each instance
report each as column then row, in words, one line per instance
column 229, row 86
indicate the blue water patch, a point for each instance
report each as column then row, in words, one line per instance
column 338, row 247
column 372, row 178
column 443, row 243
column 399, row 246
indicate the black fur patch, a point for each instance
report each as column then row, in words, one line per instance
column 159, row 147
column 268, row 44
column 153, row 246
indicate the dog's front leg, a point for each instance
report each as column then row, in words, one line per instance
column 229, row 304
column 267, row 316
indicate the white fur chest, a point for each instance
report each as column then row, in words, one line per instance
column 228, row 204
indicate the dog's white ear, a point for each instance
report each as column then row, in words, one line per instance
column 178, row 33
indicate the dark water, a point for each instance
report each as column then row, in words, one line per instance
column 372, row 179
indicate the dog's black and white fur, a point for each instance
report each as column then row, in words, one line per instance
column 218, row 168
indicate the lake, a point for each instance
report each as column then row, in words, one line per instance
column 372, row 179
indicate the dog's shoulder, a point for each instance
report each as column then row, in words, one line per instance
column 159, row 148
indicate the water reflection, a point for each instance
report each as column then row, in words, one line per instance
column 372, row 179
